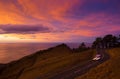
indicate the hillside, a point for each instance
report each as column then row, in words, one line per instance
column 45, row 63
column 108, row 70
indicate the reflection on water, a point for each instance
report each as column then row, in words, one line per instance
column 12, row 51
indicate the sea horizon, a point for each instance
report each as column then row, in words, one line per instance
column 14, row 51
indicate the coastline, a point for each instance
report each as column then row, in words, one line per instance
column 60, row 57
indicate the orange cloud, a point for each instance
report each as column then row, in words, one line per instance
column 33, row 11
column 65, row 18
column 44, row 9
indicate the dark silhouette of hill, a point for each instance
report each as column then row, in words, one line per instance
column 44, row 63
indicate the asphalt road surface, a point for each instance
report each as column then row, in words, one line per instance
column 77, row 70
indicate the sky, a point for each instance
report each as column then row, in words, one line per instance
column 58, row 20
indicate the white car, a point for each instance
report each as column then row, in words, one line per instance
column 97, row 57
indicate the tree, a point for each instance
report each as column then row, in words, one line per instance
column 82, row 45
column 115, row 41
column 94, row 44
column 108, row 40
column 97, row 43
column 119, row 40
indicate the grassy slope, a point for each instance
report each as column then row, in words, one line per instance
column 44, row 63
column 50, row 66
column 108, row 70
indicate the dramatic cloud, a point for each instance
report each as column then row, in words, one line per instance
column 23, row 29
column 59, row 20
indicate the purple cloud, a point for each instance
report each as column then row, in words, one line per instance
column 25, row 29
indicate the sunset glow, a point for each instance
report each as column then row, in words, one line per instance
column 58, row 20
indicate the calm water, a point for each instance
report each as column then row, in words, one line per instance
column 14, row 51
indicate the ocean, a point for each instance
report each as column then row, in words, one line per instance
column 13, row 51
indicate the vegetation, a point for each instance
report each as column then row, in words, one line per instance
column 107, row 41
column 81, row 48
column 108, row 70
column 46, row 63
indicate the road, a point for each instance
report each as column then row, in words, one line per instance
column 78, row 70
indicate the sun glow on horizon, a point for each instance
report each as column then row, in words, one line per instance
column 57, row 21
